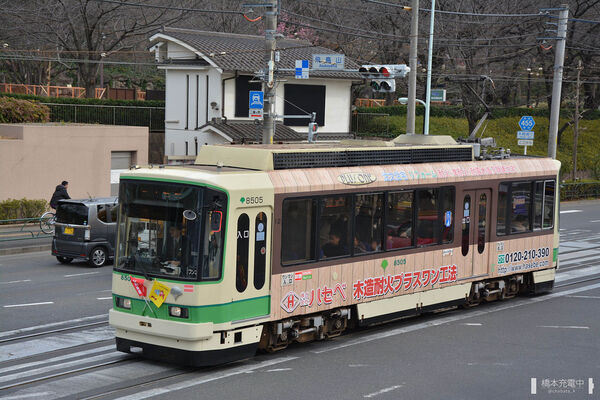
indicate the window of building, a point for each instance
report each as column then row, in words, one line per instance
column 298, row 231
column 242, row 96
column 399, row 220
column 303, row 99
column 335, row 227
column 368, row 215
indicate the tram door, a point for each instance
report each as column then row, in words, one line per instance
column 252, row 249
column 476, row 212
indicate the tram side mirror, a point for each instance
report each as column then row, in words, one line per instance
column 190, row 215
column 216, row 217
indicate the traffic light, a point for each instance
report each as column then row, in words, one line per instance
column 382, row 76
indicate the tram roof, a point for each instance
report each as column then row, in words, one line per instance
column 405, row 149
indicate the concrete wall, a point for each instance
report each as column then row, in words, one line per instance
column 34, row 158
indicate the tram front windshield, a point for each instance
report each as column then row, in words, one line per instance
column 170, row 230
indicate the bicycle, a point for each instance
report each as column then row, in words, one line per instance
column 47, row 221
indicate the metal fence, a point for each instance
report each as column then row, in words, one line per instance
column 376, row 124
column 579, row 191
column 23, row 229
column 152, row 117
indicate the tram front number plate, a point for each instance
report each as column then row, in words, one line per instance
column 68, row 230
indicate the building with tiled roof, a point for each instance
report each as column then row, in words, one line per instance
column 209, row 76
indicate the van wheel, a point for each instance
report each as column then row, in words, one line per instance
column 98, row 257
column 64, row 260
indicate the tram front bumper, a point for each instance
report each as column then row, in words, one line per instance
column 161, row 328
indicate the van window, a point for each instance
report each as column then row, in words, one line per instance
column 114, row 213
column 102, row 213
column 72, row 213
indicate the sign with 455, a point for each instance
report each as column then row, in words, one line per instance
column 248, row 200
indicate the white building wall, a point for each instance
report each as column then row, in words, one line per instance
column 337, row 103
column 192, row 99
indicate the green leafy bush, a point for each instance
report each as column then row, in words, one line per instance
column 24, row 208
column 17, row 110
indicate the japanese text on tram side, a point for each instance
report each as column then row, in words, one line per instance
column 448, row 172
column 370, row 287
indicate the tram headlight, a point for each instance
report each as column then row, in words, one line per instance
column 123, row 303
column 179, row 312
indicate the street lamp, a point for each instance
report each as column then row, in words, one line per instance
column 404, row 101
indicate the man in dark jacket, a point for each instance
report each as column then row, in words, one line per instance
column 59, row 194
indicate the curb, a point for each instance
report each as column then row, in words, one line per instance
column 26, row 249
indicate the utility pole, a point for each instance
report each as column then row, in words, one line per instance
column 412, row 77
column 576, row 126
column 429, row 66
column 559, row 59
column 528, row 85
column 269, row 79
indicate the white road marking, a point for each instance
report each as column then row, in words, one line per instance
column 452, row 318
column 104, row 298
column 577, row 273
column 357, row 365
column 279, row 369
column 596, row 220
column 26, row 374
column 77, row 354
column 564, row 327
column 570, row 211
column 39, row 395
column 6, row 283
column 84, row 273
column 382, row 391
column 585, row 297
column 471, row 324
column 244, row 369
column 50, row 325
column 29, row 304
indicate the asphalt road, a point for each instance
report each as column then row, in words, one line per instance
column 492, row 351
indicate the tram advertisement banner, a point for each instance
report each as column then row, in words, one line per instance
column 159, row 293
column 138, row 285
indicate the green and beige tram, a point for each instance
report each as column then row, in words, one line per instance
column 258, row 246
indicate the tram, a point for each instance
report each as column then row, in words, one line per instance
column 255, row 247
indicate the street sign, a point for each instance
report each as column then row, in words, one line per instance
column 525, row 142
column 255, row 113
column 526, row 123
column 438, row 94
column 328, row 62
column 301, row 69
column 256, row 100
column 525, row 134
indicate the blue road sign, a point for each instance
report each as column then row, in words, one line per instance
column 256, row 99
column 301, row 69
column 525, row 134
column 526, row 123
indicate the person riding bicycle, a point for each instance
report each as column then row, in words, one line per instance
column 60, row 193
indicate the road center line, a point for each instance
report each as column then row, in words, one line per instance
column 205, row 379
column 6, row 283
column 382, row 391
column 29, row 304
column 84, row 273
column 104, row 298
column 596, row 220
column 570, row 211
column 471, row 324
column 564, row 327
column 584, row 297
column 453, row 318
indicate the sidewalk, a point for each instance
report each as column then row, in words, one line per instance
column 23, row 238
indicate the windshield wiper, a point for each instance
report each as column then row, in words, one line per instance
column 129, row 263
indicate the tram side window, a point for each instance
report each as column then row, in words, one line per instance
column 543, row 205
column 260, row 250
column 368, row 212
column 298, row 231
column 521, row 206
column 447, row 214
column 501, row 224
column 427, row 217
column 399, row 221
column 335, row 226
column 243, row 244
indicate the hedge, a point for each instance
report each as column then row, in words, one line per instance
column 579, row 191
column 24, row 208
column 75, row 100
column 17, row 110
column 458, row 111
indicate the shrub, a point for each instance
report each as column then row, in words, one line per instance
column 75, row 100
column 24, row 208
column 17, row 110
